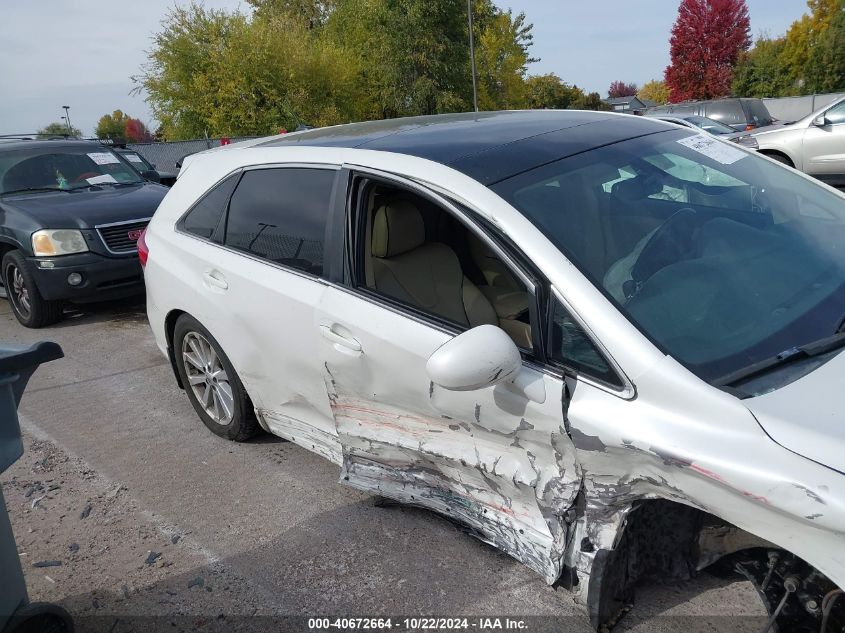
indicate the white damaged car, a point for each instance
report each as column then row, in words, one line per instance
column 608, row 345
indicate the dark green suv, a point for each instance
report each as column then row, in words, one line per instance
column 71, row 213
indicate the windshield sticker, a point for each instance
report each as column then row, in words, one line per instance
column 98, row 180
column 712, row 148
column 103, row 158
column 134, row 158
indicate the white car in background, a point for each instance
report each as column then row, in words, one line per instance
column 814, row 145
column 609, row 345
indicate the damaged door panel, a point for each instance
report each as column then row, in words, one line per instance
column 491, row 458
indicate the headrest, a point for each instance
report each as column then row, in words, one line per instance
column 397, row 228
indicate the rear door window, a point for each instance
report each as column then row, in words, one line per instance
column 280, row 214
column 727, row 112
column 758, row 113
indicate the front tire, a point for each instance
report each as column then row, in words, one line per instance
column 212, row 385
column 30, row 308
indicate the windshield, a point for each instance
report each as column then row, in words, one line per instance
column 62, row 167
column 722, row 258
column 137, row 161
column 709, row 125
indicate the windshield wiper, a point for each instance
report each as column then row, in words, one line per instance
column 793, row 354
column 110, row 184
column 26, row 189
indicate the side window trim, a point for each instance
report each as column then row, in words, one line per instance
column 353, row 275
column 628, row 390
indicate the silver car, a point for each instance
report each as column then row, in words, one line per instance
column 710, row 126
column 815, row 144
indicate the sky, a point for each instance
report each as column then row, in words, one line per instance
column 82, row 53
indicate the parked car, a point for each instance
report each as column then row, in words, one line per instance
column 742, row 115
column 815, row 144
column 711, row 127
column 146, row 168
column 609, row 346
column 71, row 212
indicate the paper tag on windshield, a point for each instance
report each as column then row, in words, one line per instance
column 712, row 148
column 134, row 158
column 98, row 180
column 103, row 158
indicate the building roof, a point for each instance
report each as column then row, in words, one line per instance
column 487, row 146
column 624, row 100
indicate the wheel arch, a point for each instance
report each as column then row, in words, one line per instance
column 7, row 245
column 169, row 328
column 777, row 152
column 656, row 539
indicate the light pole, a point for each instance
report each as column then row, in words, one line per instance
column 472, row 57
column 67, row 118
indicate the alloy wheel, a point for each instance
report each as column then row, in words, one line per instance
column 208, row 378
column 19, row 292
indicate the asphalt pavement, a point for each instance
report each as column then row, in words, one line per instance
column 183, row 523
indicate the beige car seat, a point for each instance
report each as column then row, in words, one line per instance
column 427, row 275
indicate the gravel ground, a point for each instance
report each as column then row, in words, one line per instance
column 188, row 532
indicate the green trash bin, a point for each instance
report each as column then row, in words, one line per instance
column 17, row 614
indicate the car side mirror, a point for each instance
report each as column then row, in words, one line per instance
column 481, row 357
column 820, row 121
column 151, row 175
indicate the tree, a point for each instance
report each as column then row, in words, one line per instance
column 550, row 92
column 112, row 125
column 592, row 101
column 825, row 70
column 217, row 73
column 502, row 59
column 800, row 55
column 134, row 130
column 707, row 40
column 621, row 89
column 292, row 61
column 58, row 129
column 413, row 54
column 311, row 13
column 760, row 72
column 655, row 90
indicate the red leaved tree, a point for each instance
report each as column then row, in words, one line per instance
column 136, row 132
column 706, row 42
column 621, row 89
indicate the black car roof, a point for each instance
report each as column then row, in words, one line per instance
column 487, row 146
column 12, row 144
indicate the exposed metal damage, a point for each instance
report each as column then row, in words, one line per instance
column 511, row 483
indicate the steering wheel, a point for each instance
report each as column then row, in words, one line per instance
column 85, row 176
column 670, row 243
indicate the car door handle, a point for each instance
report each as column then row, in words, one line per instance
column 215, row 279
column 343, row 341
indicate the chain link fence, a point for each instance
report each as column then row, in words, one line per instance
column 165, row 155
